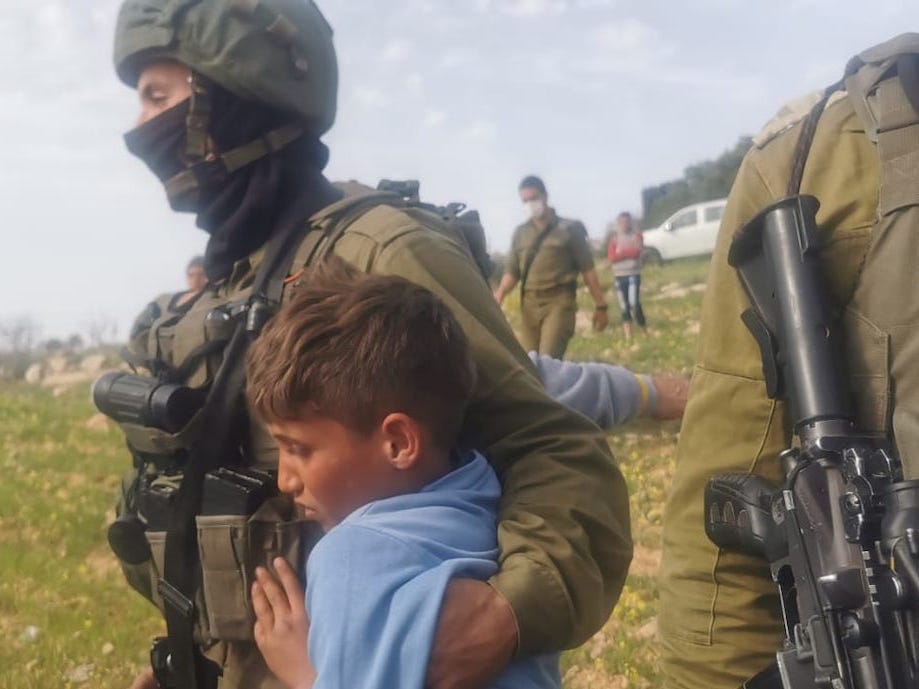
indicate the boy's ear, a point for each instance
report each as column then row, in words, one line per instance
column 402, row 440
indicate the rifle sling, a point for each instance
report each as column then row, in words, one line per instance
column 182, row 568
column 532, row 257
column 806, row 138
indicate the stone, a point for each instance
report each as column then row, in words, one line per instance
column 58, row 363
column 93, row 364
column 34, row 374
column 97, row 422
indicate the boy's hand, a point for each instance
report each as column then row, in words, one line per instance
column 281, row 625
column 672, row 394
column 476, row 637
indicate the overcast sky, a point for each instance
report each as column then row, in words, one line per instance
column 600, row 97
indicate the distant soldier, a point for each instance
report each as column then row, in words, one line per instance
column 547, row 254
column 195, row 277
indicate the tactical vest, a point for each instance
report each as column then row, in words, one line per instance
column 870, row 280
column 881, row 319
column 185, row 346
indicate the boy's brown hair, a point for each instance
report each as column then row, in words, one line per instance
column 356, row 347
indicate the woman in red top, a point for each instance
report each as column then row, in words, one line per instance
column 624, row 255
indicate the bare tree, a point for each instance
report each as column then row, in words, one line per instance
column 75, row 342
column 100, row 330
column 19, row 334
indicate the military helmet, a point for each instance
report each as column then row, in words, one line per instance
column 276, row 52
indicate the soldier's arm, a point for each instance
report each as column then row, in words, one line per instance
column 728, row 371
column 507, row 283
column 584, row 260
column 729, row 426
column 511, row 270
column 564, row 525
column 593, row 285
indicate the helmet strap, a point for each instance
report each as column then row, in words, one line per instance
column 203, row 168
column 198, row 120
column 204, row 172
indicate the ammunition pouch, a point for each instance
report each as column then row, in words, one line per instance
column 232, row 546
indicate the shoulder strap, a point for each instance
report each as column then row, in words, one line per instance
column 806, row 138
column 349, row 216
column 330, row 224
column 528, row 263
column 883, row 86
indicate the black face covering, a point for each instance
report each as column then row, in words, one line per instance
column 242, row 210
column 160, row 143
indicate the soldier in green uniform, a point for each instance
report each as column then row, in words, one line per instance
column 720, row 620
column 233, row 100
column 547, row 255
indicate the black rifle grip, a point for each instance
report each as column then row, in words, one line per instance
column 738, row 515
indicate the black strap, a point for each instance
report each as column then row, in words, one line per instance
column 806, row 138
column 212, row 448
column 524, row 274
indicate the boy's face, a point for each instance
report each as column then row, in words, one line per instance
column 329, row 469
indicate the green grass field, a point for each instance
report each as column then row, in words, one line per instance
column 68, row 619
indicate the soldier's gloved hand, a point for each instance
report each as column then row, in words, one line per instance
column 601, row 319
column 476, row 637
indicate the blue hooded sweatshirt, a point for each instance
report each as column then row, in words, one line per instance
column 375, row 584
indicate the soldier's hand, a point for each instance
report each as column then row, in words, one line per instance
column 145, row 680
column 282, row 627
column 476, row 637
column 601, row 319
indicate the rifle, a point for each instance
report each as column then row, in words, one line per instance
column 842, row 534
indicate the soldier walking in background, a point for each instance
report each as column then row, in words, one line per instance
column 547, row 254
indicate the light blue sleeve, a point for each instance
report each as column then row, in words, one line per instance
column 608, row 395
column 373, row 602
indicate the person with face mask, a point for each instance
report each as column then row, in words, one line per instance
column 234, row 97
column 547, row 254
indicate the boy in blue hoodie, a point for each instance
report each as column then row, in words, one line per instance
column 363, row 382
